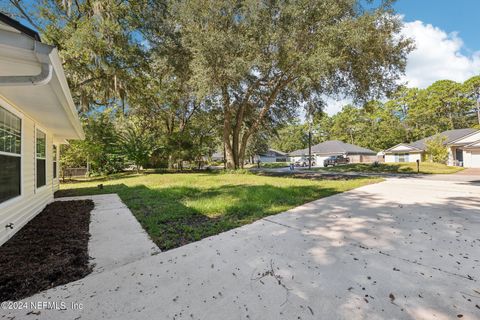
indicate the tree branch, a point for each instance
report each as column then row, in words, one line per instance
column 24, row 13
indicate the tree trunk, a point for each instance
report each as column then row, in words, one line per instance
column 235, row 149
column 229, row 155
column 230, row 159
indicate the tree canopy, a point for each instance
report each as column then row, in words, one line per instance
column 262, row 57
column 185, row 78
column 410, row 114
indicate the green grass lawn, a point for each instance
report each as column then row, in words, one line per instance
column 401, row 167
column 176, row 209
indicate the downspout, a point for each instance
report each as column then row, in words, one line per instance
column 41, row 52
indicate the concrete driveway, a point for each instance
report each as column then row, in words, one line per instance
column 401, row 249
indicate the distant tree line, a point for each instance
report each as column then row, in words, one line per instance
column 409, row 115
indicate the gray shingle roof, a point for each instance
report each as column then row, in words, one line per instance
column 333, row 147
column 273, row 153
column 451, row 136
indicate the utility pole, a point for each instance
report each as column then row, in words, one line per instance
column 309, row 147
column 478, row 108
column 309, row 119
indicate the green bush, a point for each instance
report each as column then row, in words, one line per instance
column 275, row 164
column 436, row 150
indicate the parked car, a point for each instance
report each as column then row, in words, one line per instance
column 335, row 160
column 303, row 162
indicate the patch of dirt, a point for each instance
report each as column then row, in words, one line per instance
column 51, row 250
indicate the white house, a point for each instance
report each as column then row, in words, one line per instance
column 37, row 115
column 323, row 150
column 271, row 155
column 463, row 149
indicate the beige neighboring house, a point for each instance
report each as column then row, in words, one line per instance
column 37, row 115
column 463, row 147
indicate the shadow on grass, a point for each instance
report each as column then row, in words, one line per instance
column 176, row 216
column 380, row 168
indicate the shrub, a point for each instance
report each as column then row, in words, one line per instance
column 436, row 150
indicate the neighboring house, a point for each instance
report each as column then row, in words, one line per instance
column 270, row 155
column 326, row 149
column 37, row 115
column 217, row 156
column 463, row 149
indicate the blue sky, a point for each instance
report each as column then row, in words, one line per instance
column 446, row 34
column 460, row 16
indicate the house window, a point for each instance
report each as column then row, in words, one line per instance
column 401, row 157
column 54, row 158
column 10, row 155
column 41, row 159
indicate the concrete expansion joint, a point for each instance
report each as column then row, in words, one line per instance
column 361, row 246
column 281, row 224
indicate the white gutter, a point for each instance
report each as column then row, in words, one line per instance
column 51, row 73
column 40, row 50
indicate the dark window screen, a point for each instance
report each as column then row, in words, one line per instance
column 9, row 177
column 54, row 158
column 41, row 174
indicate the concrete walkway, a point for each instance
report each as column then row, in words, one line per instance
column 116, row 236
column 401, row 249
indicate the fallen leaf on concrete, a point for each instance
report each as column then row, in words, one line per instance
column 392, row 297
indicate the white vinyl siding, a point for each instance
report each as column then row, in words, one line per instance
column 21, row 209
column 403, row 157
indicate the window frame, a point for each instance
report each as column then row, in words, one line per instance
column 54, row 162
column 7, row 106
column 39, row 188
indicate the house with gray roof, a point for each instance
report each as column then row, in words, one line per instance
column 463, row 148
column 271, row 155
column 329, row 148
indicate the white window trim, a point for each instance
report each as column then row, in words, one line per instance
column 37, row 188
column 4, row 104
column 56, row 161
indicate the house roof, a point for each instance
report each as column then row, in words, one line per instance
column 406, row 147
column 450, row 135
column 272, row 152
column 332, row 147
column 217, row 154
column 47, row 101
column 14, row 24
column 473, row 145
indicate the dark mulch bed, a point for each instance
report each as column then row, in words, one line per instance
column 51, row 250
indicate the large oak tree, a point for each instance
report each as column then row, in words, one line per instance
column 249, row 53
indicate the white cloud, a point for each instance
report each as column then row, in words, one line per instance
column 333, row 105
column 437, row 56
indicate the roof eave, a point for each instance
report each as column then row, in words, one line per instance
column 415, row 149
column 69, row 107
